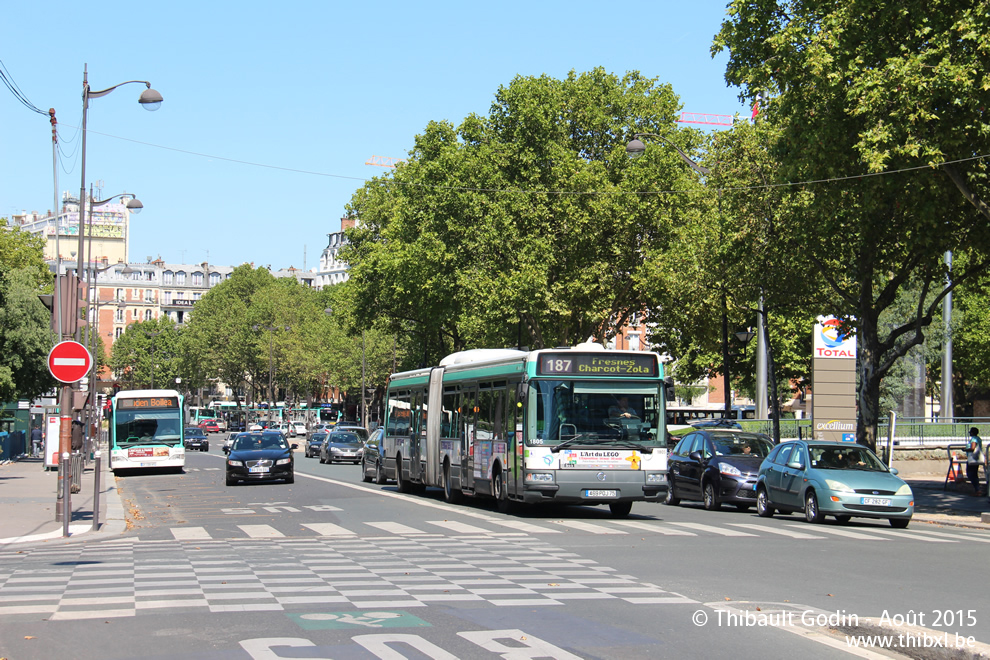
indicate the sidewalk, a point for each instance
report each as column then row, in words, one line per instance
column 956, row 505
column 28, row 503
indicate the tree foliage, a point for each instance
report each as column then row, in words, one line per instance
column 861, row 88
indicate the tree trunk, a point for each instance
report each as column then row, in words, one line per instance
column 868, row 388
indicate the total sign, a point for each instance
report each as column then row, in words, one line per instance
column 831, row 341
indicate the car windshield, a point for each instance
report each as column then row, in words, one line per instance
column 739, row 444
column 258, row 442
column 344, row 439
column 853, row 457
column 359, row 432
column 317, row 437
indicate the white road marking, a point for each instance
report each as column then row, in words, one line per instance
column 710, row 528
column 329, row 529
column 190, row 533
column 261, row 531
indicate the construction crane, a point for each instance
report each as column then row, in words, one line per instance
column 384, row 161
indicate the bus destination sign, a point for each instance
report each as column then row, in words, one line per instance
column 598, row 364
column 148, row 402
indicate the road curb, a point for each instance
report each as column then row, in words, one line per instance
column 918, row 642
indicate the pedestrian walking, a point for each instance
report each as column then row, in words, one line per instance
column 974, row 458
column 37, row 440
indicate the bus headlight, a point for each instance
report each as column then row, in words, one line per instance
column 539, row 477
column 656, row 478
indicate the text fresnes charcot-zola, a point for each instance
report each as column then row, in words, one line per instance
column 599, row 366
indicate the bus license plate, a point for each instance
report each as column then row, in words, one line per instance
column 876, row 501
column 258, row 469
column 601, row 493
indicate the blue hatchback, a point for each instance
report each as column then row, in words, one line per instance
column 838, row 479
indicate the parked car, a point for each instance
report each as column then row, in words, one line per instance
column 299, row 428
column 373, row 461
column 209, row 426
column 840, row 479
column 195, row 438
column 315, row 444
column 260, row 456
column 342, row 446
column 716, row 465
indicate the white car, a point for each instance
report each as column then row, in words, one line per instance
column 300, row 428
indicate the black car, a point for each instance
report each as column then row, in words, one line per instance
column 196, row 439
column 314, row 444
column 342, row 446
column 373, row 462
column 260, row 456
column 716, row 465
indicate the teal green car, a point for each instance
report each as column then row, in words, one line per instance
column 840, row 479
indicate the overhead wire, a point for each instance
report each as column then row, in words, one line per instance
column 8, row 80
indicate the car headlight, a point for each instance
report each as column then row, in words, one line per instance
column 904, row 490
column 235, row 463
column 335, row 450
column 283, row 461
column 838, row 486
column 730, row 470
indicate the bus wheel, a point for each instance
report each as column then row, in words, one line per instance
column 500, row 493
column 401, row 483
column 449, row 494
column 620, row 509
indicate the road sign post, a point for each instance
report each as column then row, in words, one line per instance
column 68, row 362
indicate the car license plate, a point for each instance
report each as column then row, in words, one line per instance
column 258, row 469
column 601, row 493
column 876, row 501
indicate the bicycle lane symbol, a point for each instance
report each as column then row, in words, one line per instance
column 338, row 620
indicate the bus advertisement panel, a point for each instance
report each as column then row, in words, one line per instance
column 568, row 426
column 146, row 430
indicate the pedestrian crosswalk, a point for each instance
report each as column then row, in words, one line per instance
column 508, row 527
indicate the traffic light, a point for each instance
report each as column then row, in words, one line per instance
column 73, row 299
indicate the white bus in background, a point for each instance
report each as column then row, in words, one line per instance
column 146, row 430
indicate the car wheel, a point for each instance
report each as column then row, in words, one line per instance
column 620, row 509
column 449, row 494
column 843, row 520
column 670, row 500
column 380, row 478
column 365, row 477
column 900, row 523
column 811, row 511
column 763, row 508
column 711, row 497
column 322, row 460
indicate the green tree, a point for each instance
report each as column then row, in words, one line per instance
column 864, row 88
column 25, row 334
column 522, row 226
column 146, row 356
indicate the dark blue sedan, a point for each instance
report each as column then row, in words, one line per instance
column 260, row 456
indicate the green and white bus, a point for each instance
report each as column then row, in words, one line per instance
column 577, row 425
column 146, row 430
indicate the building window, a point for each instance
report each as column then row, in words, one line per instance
column 149, row 295
column 147, row 315
column 168, row 297
column 180, row 295
column 214, row 279
column 197, row 295
column 117, row 333
column 119, row 317
column 180, row 278
column 120, row 294
column 197, row 279
column 167, row 277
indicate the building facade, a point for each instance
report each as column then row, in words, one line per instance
column 107, row 224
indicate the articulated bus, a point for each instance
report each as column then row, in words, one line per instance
column 575, row 425
column 146, row 430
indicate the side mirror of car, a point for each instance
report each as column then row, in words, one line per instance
column 695, row 456
column 797, row 465
column 893, row 471
column 294, row 446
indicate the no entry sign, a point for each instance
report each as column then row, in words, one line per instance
column 69, row 361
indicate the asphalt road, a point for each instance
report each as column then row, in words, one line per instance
column 331, row 567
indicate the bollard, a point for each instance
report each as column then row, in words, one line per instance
column 96, row 490
column 66, row 497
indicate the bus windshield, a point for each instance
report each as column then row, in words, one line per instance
column 579, row 413
column 147, row 427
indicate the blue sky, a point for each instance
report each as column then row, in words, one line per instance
column 272, row 109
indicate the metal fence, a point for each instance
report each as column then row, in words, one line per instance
column 909, row 432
